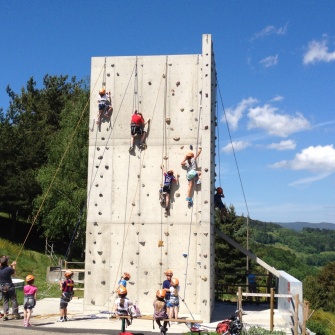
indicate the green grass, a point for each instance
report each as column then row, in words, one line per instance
column 31, row 262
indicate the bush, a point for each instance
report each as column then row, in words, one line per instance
column 317, row 327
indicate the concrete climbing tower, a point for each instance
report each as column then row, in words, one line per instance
column 126, row 226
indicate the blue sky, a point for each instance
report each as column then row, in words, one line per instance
column 276, row 71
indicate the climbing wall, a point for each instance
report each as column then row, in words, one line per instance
column 126, row 226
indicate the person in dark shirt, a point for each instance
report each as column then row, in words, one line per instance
column 8, row 288
column 218, row 196
column 66, row 287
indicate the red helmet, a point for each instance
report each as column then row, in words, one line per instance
column 219, row 190
column 190, row 154
column 161, row 294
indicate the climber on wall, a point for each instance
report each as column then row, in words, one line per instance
column 164, row 192
column 190, row 163
column 137, row 126
column 219, row 204
column 104, row 105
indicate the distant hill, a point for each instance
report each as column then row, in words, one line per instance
column 298, row 226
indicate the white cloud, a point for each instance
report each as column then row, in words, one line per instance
column 277, row 98
column 235, row 115
column 309, row 180
column 320, row 159
column 265, row 117
column 318, row 52
column 283, row 145
column 269, row 61
column 237, row 145
column 269, row 30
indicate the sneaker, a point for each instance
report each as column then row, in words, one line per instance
column 61, row 320
column 188, row 199
column 163, row 330
column 17, row 317
column 131, row 149
column 28, row 325
column 65, row 318
column 198, row 181
column 5, row 317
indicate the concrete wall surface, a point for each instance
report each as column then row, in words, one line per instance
column 126, row 226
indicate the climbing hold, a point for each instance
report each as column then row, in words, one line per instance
column 205, row 202
column 149, row 82
column 99, row 233
column 185, row 255
column 172, row 129
column 97, row 166
column 206, row 95
column 166, row 233
column 206, row 170
column 132, row 263
column 182, row 109
column 205, row 234
column 100, row 253
column 145, row 272
column 166, row 157
column 98, row 148
column 168, row 120
column 103, row 262
column 146, row 292
column 117, row 73
column 176, row 138
column 95, row 223
column 106, row 167
column 192, row 110
column 163, row 75
column 103, row 138
column 177, row 194
column 112, row 65
column 92, row 302
column 94, row 242
column 133, row 204
column 143, row 185
column 137, row 252
column 138, row 176
column 143, row 166
column 160, row 263
column 205, row 255
column 165, row 252
column 108, row 74
column 204, row 278
column 100, row 213
column 160, row 244
column 177, row 83
column 101, row 176
column 196, row 119
column 142, row 243
column 88, row 272
column 100, row 157
column 182, row 147
column 139, row 214
column 103, row 282
column 93, row 262
column 137, row 233
column 206, row 127
column 100, row 195
column 205, row 267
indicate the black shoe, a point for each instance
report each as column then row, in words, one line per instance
column 5, row 317
column 131, row 149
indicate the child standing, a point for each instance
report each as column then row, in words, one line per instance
column 166, row 286
column 190, row 161
column 66, row 287
column 30, row 296
column 160, row 310
column 173, row 303
column 165, row 191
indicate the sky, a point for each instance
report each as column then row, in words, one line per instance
column 275, row 63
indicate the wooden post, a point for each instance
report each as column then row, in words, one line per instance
column 296, row 315
column 305, row 317
column 272, row 299
column 239, row 299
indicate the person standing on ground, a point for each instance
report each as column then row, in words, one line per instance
column 252, row 287
column 166, row 286
column 66, row 287
column 8, row 288
column 30, row 296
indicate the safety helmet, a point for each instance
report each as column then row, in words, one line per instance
column 168, row 272
column 102, row 91
column 126, row 275
column 219, row 190
column 68, row 273
column 190, row 154
column 161, row 294
column 170, row 172
column 174, row 282
column 30, row 278
column 122, row 290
